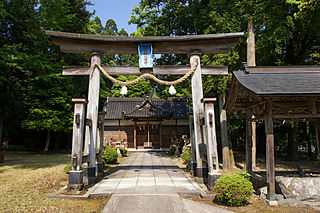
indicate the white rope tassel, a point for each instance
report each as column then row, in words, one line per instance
column 172, row 90
column 124, row 90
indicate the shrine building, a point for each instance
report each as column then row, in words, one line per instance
column 143, row 123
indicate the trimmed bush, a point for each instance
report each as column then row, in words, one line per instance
column 67, row 168
column 186, row 156
column 172, row 150
column 123, row 151
column 109, row 155
column 233, row 190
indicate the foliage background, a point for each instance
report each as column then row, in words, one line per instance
column 35, row 100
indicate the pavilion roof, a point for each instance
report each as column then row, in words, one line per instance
column 281, row 81
column 284, row 84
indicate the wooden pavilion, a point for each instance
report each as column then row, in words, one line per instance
column 273, row 94
column 145, row 122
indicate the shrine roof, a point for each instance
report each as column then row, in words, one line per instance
column 156, row 108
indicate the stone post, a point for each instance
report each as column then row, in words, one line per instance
column 99, row 149
column 76, row 173
column 224, row 135
column 212, row 151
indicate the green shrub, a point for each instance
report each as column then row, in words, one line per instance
column 109, row 155
column 186, row 156
column 123, row 151
column 185, row 148
column 172, row 150
column 67, row 168
column 233, row 190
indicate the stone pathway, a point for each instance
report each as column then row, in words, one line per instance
column 150, row 182
column 145, row 173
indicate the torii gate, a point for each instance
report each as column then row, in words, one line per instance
column 204, row 142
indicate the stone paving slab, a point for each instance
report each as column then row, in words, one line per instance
column 145, row 203
column 165, row 203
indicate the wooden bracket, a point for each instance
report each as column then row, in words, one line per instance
column 210, row 119
column 201, row 121
column 77, row 119
column 88, row 122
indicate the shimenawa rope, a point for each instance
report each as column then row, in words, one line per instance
column 146, row 76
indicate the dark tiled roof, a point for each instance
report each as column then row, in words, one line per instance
column 121, row 108
column 281, row 82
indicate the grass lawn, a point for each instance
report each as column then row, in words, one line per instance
column 28, row 178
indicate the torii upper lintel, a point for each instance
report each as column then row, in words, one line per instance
column 85, row 43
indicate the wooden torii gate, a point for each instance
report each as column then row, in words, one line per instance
column 193, row 45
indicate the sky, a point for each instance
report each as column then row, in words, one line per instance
column 118, row 10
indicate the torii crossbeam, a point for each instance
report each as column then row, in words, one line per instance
column 193, row 45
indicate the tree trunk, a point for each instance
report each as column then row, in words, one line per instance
column 251, row 49
column 1, row 125
column 232, row 161
column 292, row 150
column 57, row 142
column 46, row 149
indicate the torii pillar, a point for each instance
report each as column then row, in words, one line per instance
column 197, row 95
column 92, row 117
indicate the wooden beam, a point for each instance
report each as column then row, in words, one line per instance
column 283, row 68
column 85, row 43
column 270, row 160
column 157, row 70
column 295, row 116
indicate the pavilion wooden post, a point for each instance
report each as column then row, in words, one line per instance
column 99, row 145
column 92, row 117
column 196, row 84
column 224, row 135
column 160, row 134
column 212, row 151
column 317, row 129
column 313, row 109
column 193, row 145
column 248, row 140
column 270, row 163
column 76, row 173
